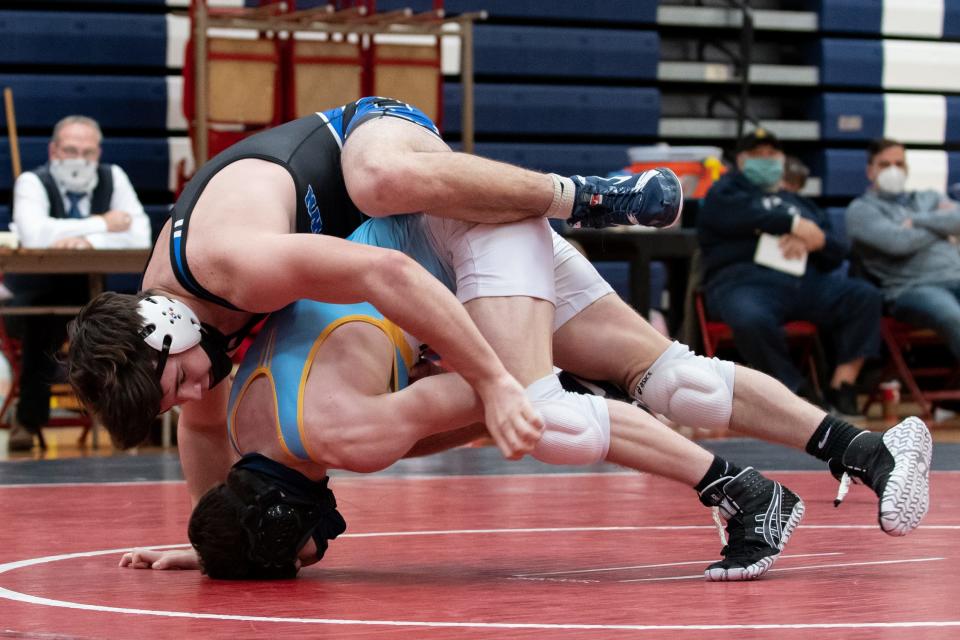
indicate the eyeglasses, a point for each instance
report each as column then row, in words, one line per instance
column 74, row 152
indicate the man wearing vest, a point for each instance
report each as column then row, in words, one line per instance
column 71, row 202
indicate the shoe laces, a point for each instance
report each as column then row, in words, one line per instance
column 734, row 537
column 721, row 528
column 869, row 470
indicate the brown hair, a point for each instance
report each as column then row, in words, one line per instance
column 876, row 147
column 112, row 369
column 217, row 533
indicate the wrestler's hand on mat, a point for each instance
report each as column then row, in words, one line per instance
column 513, row 423
column 161, row 560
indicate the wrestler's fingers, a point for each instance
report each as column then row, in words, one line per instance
column 529, row 427
column 510, row 441
column 527, row 435
column 535, row 418
column 506, row 443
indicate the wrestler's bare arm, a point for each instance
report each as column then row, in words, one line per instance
column 205, row 451
column 273, row 270
column 205, row 457
column 374, row 431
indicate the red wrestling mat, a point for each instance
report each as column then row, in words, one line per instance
column 581, row 556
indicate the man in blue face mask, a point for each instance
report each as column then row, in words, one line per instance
column 769, row 257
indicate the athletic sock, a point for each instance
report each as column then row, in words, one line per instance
column 831, row 438
column 562, row 205
column 719, row 468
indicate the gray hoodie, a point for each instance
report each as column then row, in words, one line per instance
column 901, row 258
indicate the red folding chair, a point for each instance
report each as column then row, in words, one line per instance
column 801, row 335
column 62, row 395
column 926, row 384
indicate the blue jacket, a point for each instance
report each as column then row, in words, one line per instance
column 735, row 213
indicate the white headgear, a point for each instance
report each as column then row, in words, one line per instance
column 171, row 326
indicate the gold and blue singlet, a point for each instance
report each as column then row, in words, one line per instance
column 283, row 353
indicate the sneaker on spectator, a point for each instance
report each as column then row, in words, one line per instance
column 809, row 393
column 896, row 465
column 652, row 198
column 761, row 515
column 843, row 400
column 20, row 438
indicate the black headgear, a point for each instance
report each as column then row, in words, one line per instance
column 280, row 509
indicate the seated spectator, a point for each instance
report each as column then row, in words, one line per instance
column 907, row 242
column 71, row 202
column 746, row 211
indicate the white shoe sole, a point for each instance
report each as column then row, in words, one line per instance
column 906, row 497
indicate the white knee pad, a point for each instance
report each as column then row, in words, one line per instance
column 689, row 389
column 577, row 426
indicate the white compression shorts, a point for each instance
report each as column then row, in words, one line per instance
column 514, row 260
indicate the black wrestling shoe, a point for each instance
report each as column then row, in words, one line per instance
column 896, row 465
column 761, row 515
column 652, row 198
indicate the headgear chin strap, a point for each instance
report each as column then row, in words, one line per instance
column 214, row 344
column 172, row 327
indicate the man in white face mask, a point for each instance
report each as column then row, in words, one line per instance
column 71, row 202
column 906, row 241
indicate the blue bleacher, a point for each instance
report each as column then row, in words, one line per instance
column 44, row 37
column 910, row 65
column 539, row 109
column 146, row 160
column 951, row 19
column 851, row 16
column 851, row 63
column 116, row 102
column 158, row 214
column 556, row 52
column 866, row 16
column 850, row 116
column 565, row 159
column 868, row 116
column 843, row 172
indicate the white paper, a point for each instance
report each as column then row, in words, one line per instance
column 770, row 255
